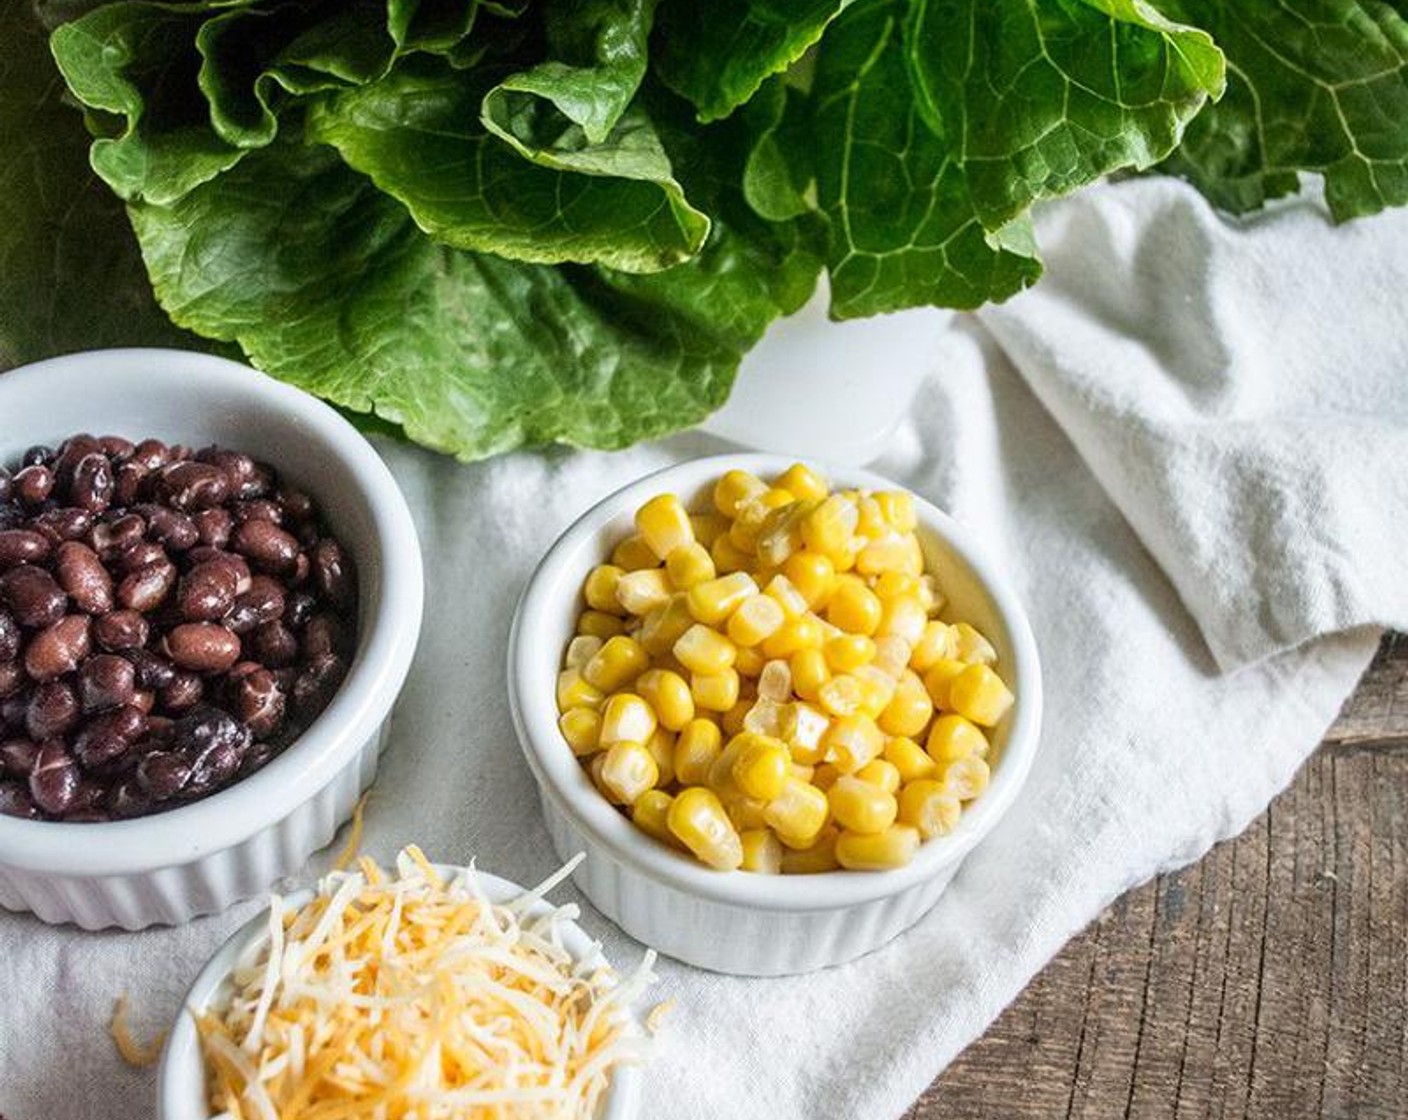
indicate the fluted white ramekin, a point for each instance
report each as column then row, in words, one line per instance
column 202, row 857
column 739, row 922
column 181, row 1087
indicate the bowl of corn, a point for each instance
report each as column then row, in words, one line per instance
column 775, row 706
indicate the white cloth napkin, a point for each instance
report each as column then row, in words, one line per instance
column 1193, row 458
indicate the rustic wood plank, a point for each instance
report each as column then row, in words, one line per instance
column 1268, row 980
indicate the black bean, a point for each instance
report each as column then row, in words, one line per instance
column 66, row 524
column 117, row 448
column 17, row 757
column 263, row 602
column 53, row 782
column 145, row 589
column 272, row 643
column 7, row 485
column 84, row 577
column 59, row 648
column 162, row 775
column 34, row 484
column 12, row 678
column 152, row 454
column 170, row 528
column 208, row 591
column 36, row 454
column 182, row 692
column 298, row 506
column 316, row 684
column 189, row 485
column 299, row 609
column 23, row 546
column 120, row 630
column 9, row 636
column 323, row 634
column 92, row 484
column 213, row 527
column 53, row 711
column 140, row 555
column 153, row 670
column 129, row 483
column 128, row 799
column 72, row 452
column 333, row 573
column 204, row 647
column 267, row 547
column 32, row 596
column 258, row 702
column 112, row 538
column 106, row 681
column 15, row 801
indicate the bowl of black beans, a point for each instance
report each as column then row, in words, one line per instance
column 210, row 592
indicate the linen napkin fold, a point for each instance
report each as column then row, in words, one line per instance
column 1142, row 476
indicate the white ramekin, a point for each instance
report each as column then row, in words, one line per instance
column 181, row 1091
column 738, row 922
column 202, row 857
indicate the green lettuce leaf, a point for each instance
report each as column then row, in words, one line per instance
column 719, row 54
column 326, row 282
column 904, row 230
column 779, row 168
column 418, row 135
column 1313, row 85
column 71, row 277
column 1041, row 97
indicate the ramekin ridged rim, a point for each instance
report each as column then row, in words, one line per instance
column 556, row 582
column 379, row 668
column 182, row 1048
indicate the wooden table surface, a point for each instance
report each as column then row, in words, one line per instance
column 1268, row 980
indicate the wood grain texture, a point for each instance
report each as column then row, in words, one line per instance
column 1268, row 980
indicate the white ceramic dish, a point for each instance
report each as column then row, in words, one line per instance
column 202, row 857
column 739, row 922
column 181, row 1076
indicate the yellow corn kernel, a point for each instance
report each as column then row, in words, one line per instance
column 952, row 737
column 808, row 731
column 661, row 746
column 931, row 595
column 815, row 860
column 750, row 661
column 662, row 627
column 846, row 652
column 827, row 529
column 715, row 599
column 813, row 575
column 852, row 741
column 757, row 617
column 746, row 813
column 628, row 770
column 728, row 557
column 880, row 773
column 668, row 694
column 898, row 552
column 704, row 651
column 663, row 523
column 768, row 717
column 734, row 488
column 573, row 691
column 801, row 480
column 708, row 527
column 791, row 600
column 714, row 692
column 797, row 814
column 877, row 690
column 775, row 682
column 910, row 759
column 970, row 646
column 735, row 717
column 854, row 608
column 939, row 677
column 752, row 514
column 979, row 694
column 599, row 624
column 696, row 748
column 897, row 508
column 618, row 662
column 643, row 591
column 800, row 772
column 689, row 565
column 825, row 775
column 762, row 853
column 651, row 814
column 799, row 633
column 890, row 585
column 903, row 617
column 809, row 672
column 626, row 716
column 967, row 777
column 892, row 656
column 877, row 851
column 781, row 534
column 872, row 518
column 580, row 650
column 600, row 588
column 633, row 554
column 841, row 695
column 761, row 768
column 933, row 646
column 845, row 561
column 581, row 727
column 927, row 806
column 910, row 709
column 698, row 821
column 860, row 806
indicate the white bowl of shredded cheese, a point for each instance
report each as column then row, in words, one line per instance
column 460, row 994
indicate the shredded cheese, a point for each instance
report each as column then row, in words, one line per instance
column 133, row 1052
column 403, row 996
column 354, row 836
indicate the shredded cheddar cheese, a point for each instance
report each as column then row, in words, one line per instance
column 408, row 997
column 132, row 1051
